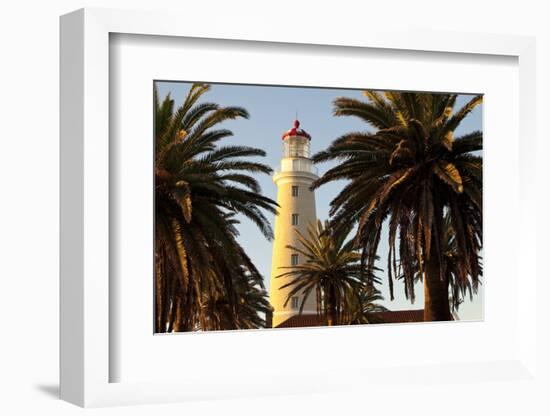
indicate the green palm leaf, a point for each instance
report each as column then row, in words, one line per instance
column 409, row 174
column 331, row 271
column 204, row 279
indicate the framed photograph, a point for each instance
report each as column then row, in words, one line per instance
column 286, row 196
column 299, row 270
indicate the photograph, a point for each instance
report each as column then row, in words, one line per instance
column 300, row 206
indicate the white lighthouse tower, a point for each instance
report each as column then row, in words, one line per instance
column 296, row 212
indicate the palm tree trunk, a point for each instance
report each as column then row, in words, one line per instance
column 158, row 294
column 436, row 293
column 331, row 307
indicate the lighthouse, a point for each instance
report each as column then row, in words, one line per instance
column 296, row 212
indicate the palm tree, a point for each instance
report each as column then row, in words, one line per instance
column 249, row 312
column 363, row 306
column 460, row 286
column 199, row 188
column 332, row 271
column 409, row 173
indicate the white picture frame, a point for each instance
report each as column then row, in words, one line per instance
column 85, row 353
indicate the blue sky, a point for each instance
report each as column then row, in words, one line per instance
column 272, row 110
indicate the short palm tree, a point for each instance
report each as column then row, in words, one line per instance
column 199, row 188
column 363, row 306
column 409, row 173
column 249, row 311
column 331, row 271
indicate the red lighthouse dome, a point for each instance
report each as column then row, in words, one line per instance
column 296, row 131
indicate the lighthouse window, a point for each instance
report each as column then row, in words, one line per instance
column 294, row 260
column 294, row 219
column 294, row 191
column 295, row 301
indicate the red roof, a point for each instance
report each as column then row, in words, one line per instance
column 387, row 317
column 396, row 317
column 295, row 131
column 300, row 321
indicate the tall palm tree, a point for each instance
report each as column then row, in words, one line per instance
column 199, row 188
column 460, row 286
column 409, row 173
column 332, row 271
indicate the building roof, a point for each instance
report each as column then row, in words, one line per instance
column 300, row 321
column 396, row 317
column 386, row 317
column 296, row 131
